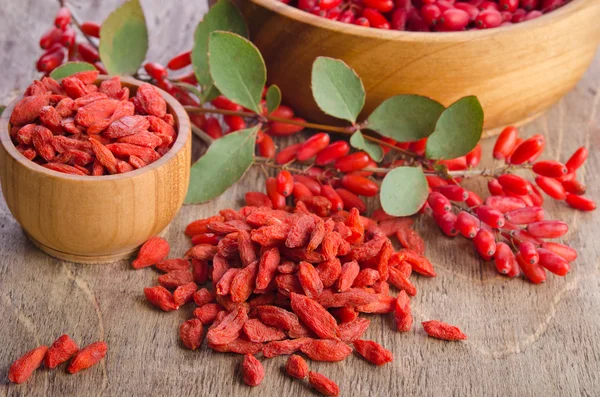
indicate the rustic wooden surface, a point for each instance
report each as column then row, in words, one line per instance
column 524, row 340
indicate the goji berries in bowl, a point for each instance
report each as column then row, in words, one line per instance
column 95, row 219
column 516, row 71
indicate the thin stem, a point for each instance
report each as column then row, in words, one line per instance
column 340, row 130
column 77, row 22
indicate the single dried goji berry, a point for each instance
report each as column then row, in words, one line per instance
column 314, row 316
column 61, row 351
column 175, row 278
column 87, row 357
column 373, row 352
column 242, row 284
column 253, row 371
column 208, row 312
column 160, row 297
column 441, row 330
column 296, row 367
column 184, row 293
column 258, row 332
column 147, row 100
column 229, row 329
column 348, row 274
column 23, row 367
column 309, row 280
column 284, row 347
column 153, row 251
column 353, row 330
column 191, row 333
column 326, row 350
column 323, row 384
column 329, row 271
column 168, row 265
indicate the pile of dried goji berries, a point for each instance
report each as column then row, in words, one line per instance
column 62, row 350
column 429, row 15
column 79, row 128
column 283, row 281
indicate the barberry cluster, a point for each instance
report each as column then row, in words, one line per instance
column 429, row 15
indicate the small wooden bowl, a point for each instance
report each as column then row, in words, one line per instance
column 516, row 71
column 96, row 219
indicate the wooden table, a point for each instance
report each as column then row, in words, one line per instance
column 524, row 340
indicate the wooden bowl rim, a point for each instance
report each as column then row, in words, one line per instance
column 294, row 13
column 183, row 134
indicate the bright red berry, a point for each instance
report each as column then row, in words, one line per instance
column 564, row 251
column 535, row 273
column 312, row 146
column 50, row 37
column 375, row 18
column 551, row 187
column 87, row 52
column 488, row 19
column 287, row 154
column 222, row 102
column 474, row 156
column 360, row 185
column 352, row 162
column 453, row 192
column 580, row 203
column 63, row 18
column 91, row 29
column 380, row 5
column 514, row 184
column 285, row 183
column 573, row 186
column 430, row 14
column 577, row 159
column 547, row 229
column 180, row 61
column 508, row 5
column 156, row 70
column 485, row 243
column 446, row 222
column 337, row 204
column 277, row 199
column 473, row 200
column 332, row 152
column 504, row 259
column 495, row 187
column 439, row 203
column 235, row 123
column 528, row 252
column 467, row 224
column 301, row 191
column 524, row 216
column 553, row 263
column 279, row 128
column 550, row 168
column 351, row 200
column 212, row 127
column 490, row 216
column 504, row 204
column 527, row 149
column 266, row 147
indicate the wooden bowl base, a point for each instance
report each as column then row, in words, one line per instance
column 84, row 259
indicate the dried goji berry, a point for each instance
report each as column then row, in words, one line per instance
column 402, row 314
column 229, row 329
column 184, row 293
column 61, row 351
column 175, row 278
column 309, row 280
column 284, row 347
column 153, row 251
column 296, row 367
column 353, row 330
column 87, row 357
column 23, row 367
column 252, row 370
column 314, row 316
column 191, row 333
column 323, row 384
column 258, row 332
column 373, row 352
column 208, row 312
column 441, row 330
column 326, row 350
column 160, row 297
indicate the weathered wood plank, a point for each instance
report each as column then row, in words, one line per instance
column 524, row 340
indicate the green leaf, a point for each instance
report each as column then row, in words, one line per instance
column 191, row 88
column 457, row 131
column 403, row 191
column 405, row 118
column 124, row 39
column 70, row 68
column 225, row 162
column 357, row 140
column 273, row 98
column 237, row 68
column 2, row 107
column 337, row 89
column 223, row 16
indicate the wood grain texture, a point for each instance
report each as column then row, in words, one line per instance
column 99, row 219
column 524, row 340
column 536, row 62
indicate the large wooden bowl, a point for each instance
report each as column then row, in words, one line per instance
column 96, row 219
column 516, row 71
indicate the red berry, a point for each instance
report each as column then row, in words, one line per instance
column 473, row 200
column 509, row 5
column 577, row 159
column 283, row 112
column 329, row 4
column 63, row 18
column 485, row 243
column 362, row 22
column 439, row 203
column 347, row 16
column 580, row 203
column 50, row 61
column 564, row 251
column 547, row 229
column 156, row 70
column 67, row 38
column 312, row 146
column 490, row 216
column 488, row 19
column 488, row 5
column 352, row 162
column 266, row 147
column 418, row 147
column 278, row 128
column 550, row 168
column 474, row 156
column 351, row 200
column 573, row 186
column 332, row 152
column 235, row 123
column 50, row 37
column 535, row 273
column 524, row 216
column 446, row 222
column 221, row 102
column 552, row 262
column 213, row 128
column 301, row 191
column 309, row 182
column 277, row 199
column 337, row 204
column 457, row 164
column 467, row 224
column 514, row 184
column 528, row 5
column 453, row 192
column 430, row 14
column 470, row 9
column 536, row 197
column 533, row 14
column 504, row 259
column 360, row 185
column 528, row 252
column 287, row 154
column 435, row 181
column 375, row 18
column 551, row 187
column 518, row 15
column 285, row 183
column 495, row 188
column 180, row 61
column 87, row 52
column 527, row 149
column 398, row 19
column 91, row 29
column 504, row 204
column 379, row 5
